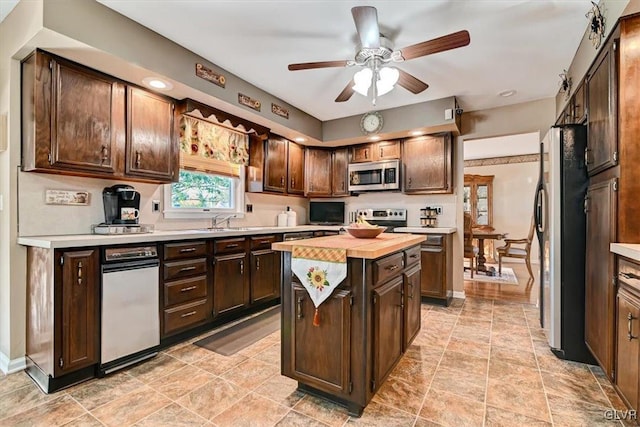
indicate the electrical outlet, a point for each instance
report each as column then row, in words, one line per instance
column 249, row 207
column 438, row 209
column 155, row 205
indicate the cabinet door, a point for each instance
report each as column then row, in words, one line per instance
column 230, row 284
column 579, row 104
column 296, row 169
column 599, row 292
column 388, row 313
column 317, row 171
column 275, row 165
column 361, row 153
column 339, row 172
column 411, row 305
column 265, row 275
column 387, row 150
column 602, row 143
column 628, row 348
column 331, row 370
column 151, row 148
column 432, row 274
column 427, row 164
column 78, row 310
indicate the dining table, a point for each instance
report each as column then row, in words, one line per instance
column 482, row 234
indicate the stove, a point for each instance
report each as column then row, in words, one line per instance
column 390, row 218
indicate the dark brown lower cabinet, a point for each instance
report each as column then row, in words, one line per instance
column 411, row 305
column 388, row 343
column 230, row 283
column 436, row 281
column 265, row 275
column 332, row 338
column 628, row 348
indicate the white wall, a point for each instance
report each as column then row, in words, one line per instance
column 514, row 187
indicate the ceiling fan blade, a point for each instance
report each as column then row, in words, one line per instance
column 411, row 83
column 440, row 44
column 346, row 92
column 366, row 20
column 322, row 64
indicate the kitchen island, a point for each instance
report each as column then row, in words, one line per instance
column 364, row 327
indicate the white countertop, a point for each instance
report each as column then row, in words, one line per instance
column 78, row 240
column 425, row 230
column 628, row 250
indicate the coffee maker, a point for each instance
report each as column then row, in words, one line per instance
column 121, row 204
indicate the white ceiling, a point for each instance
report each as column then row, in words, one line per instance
column 515, row 44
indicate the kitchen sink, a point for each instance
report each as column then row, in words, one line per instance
column 217, row 229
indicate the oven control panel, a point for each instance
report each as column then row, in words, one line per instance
column 383, row 214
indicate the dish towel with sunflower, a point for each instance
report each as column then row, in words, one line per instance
column 320, row 271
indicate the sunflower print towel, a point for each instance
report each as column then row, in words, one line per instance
column 320, row 271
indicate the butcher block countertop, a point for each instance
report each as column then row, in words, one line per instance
column 382, row 245
column 629, row 250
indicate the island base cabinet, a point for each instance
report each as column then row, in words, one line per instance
column 331, row 372
column 436, row 280
column 412, row 304
column 388, row 309
column 628, row 351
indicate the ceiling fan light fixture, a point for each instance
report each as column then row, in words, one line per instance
column 388, row 77
column 362, row 80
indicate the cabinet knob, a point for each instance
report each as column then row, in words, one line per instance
column 293, row 182
column 80, row 273
column 241, row 267
column 257, row 264
column 105, row 154
column 282, row 180
column 381, row 152
column 409, row 182
column 138, row 158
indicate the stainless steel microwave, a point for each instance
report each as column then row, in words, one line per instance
column 370, row 176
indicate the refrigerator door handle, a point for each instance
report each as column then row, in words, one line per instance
column 539, row 200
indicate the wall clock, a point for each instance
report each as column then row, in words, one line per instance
column 371, row 122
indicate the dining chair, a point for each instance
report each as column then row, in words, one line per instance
column 522, row 250
column 470, row 251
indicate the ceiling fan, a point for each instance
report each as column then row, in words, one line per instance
column 376, row 51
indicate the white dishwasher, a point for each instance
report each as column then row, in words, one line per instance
column 130, row 327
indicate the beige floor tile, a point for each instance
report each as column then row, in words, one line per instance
column 614, row 400
column 379, row 415
column 173, row 415
column 13, row 382
column 452, row 410
column 462, row 383
column 87, row 420
column 251, row 373
column 574, row 388
column 322, row 410
column 401, row 395
column 475, row 348
column 155, row 368
column 130, row 408
column 512, row 340
column 496, row 417
column 548, row 362
column 190, row 353
column 213, row 398
column 566, row 412
column 257, row 347
column 218, row 364
column 100, row 391
column 424, row 353
column 270, row 355
column 474, row 322
column 281, row 389
column 518, row 357
column 22, row 399
column 414, row 371
column 471, row 334
column 251, row 411
column 421, row 422
column 296, row 419
column 181, row 382
column 464, row 362
column 56, row 412
column 521, row 397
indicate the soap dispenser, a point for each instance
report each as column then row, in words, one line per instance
column 292, row 217
column 282, row 219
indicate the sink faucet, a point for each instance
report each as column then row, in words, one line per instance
column 216, row 219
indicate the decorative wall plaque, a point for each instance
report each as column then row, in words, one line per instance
column 249, row 102
column 279, row 111
column 66, row 197
column 209, row 75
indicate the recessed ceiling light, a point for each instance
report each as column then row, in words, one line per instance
column 507, row 93
column 157, row 83
column 416, row 133
column 374, row 138
column 300, row 139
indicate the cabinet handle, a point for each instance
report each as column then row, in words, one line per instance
column 293, row 182
column 411, row 288
column 138, row 157
column 366, row 154
column 586, row 155
column 630, row 276
column 381, row 152
column 282, row 181
column 586, row 204
column 392, row 267
column 241, row 267
column 264, row 242
column 184, row 250
column 299, row 308
column 342, row 187
column 187, row 289
column 629, row 319
column 409, row 184
column 231, row 245
column 191, row 313
column 413, row 256
column 105, row 154
column 257, row 264
column 187, row 268
column 80, row 273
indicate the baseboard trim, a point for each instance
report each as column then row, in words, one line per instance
column 8, row 366
column 459, row 294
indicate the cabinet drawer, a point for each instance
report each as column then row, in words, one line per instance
column 185, row 250
column 388, row 267
column 412, row 256
column 629, row 273
column 229, row 245
column 180, row 291
column 185, row 315
column 262, row 242
column 191, row 267
column 434, row 240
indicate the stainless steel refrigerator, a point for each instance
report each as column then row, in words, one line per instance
column 561, row 228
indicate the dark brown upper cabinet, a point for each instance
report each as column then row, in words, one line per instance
column 339, row 172
column 375, row 151
column 428, row 164
column 318, row 172
column 283, row 165
column 295, row 180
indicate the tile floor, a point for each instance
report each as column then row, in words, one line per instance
column 479, row 362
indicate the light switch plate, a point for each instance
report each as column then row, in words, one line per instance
column 448, row 114
column 155, row 205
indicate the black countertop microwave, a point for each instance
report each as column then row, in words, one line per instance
column 326, row 213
